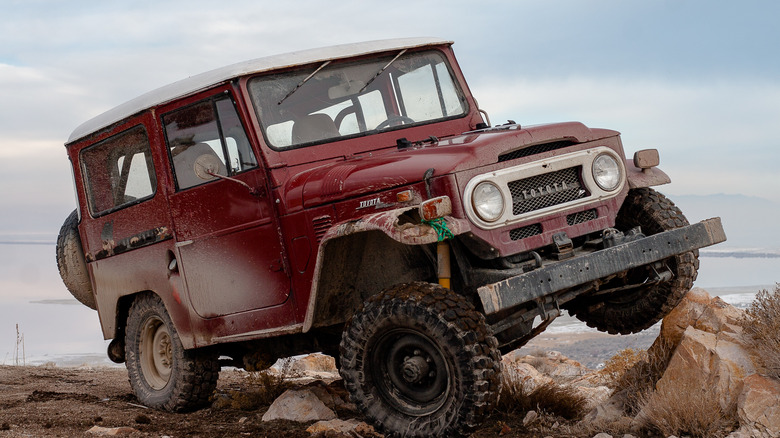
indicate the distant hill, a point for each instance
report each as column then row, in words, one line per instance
column 750, row 222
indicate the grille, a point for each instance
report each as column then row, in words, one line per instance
column 583, row 216
column 321, row 225
column 542, row 191
column 533, row 150
column 527, row 231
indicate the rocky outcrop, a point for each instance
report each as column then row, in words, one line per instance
column 701, row 343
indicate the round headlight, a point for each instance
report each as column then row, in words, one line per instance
column 606, row 172
column 488, row 201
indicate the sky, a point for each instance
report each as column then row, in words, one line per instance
column 698, row 80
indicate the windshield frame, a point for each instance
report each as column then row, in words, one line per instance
column 378, row 69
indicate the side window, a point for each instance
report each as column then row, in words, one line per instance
column 118, row 171
column 205, row 139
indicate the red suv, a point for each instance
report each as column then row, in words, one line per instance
column 355, row 200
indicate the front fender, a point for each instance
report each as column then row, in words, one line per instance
column 396, row 224
column 650, row 177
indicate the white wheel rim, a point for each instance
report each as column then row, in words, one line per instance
column 156, row 354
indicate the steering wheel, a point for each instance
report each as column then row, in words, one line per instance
column 394, row 119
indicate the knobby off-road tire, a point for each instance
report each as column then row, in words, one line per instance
column 419, row 360
column 162, row 373
column 71, row 262
column 634, row 310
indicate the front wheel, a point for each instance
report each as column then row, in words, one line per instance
column 418, row 360
column 162, row 373
column 638, row 304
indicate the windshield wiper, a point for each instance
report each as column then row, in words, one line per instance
column 300, row 84
column 382, row 70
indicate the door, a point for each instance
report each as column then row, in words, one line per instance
column 228, row 245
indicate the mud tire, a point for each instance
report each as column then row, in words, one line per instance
column 71, row 262
column 162, row 373
column 458, row 388
column 639, row 309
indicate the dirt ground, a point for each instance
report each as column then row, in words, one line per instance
column 67, row 402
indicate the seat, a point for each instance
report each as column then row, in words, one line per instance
column 184, row 164
column 314, row 127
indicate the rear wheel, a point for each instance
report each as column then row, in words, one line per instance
column 637, row 306
column 162, row 373
column 418, row 360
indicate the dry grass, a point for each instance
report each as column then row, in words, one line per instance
column 558, row 400
column 689, row 410
column 638, row 379
column 762, row 324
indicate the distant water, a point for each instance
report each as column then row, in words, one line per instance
column 56, row 328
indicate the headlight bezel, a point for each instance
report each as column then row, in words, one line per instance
column 476, row 204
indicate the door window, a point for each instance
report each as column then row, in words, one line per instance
column 207, row 139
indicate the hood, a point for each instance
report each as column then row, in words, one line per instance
column 390, row 168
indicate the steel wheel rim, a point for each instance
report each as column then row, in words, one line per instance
column 411, row 372
column 156, row 353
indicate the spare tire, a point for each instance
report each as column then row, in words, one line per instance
column 71, row 262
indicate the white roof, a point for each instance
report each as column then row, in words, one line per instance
column 202, row 81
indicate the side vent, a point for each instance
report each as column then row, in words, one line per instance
column 534, row 149
column 583, row 216
column 525, row 232
column 321, row 225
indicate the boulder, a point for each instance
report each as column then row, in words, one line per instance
column 307, row 368
column 708, row 361
column 524, row 374
column 759, row 404
column 701, row 311
column 300, row 405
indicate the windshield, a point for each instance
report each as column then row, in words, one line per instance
column 329, row 101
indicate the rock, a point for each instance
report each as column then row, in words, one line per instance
column 747, row 431
column 307, row 368
column 759, row 404
column 594, row 396
column 707, row 360
column 300, row 405
column 330, row 397
column 609, row 411
column 340, row 428
column 524, row 374
column 701, row 311
column 602, row 435
column 530, row 417
column 111, row 431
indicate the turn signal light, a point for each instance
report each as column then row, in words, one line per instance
column 436, row 208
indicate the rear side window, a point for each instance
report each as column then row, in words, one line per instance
column 118, row 171
column 206, row 139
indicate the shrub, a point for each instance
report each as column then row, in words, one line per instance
column 689, row 410
column 639, row 379
column 560, row 400
column 762, row 324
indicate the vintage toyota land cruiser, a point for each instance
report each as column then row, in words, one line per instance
column 355, row 200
